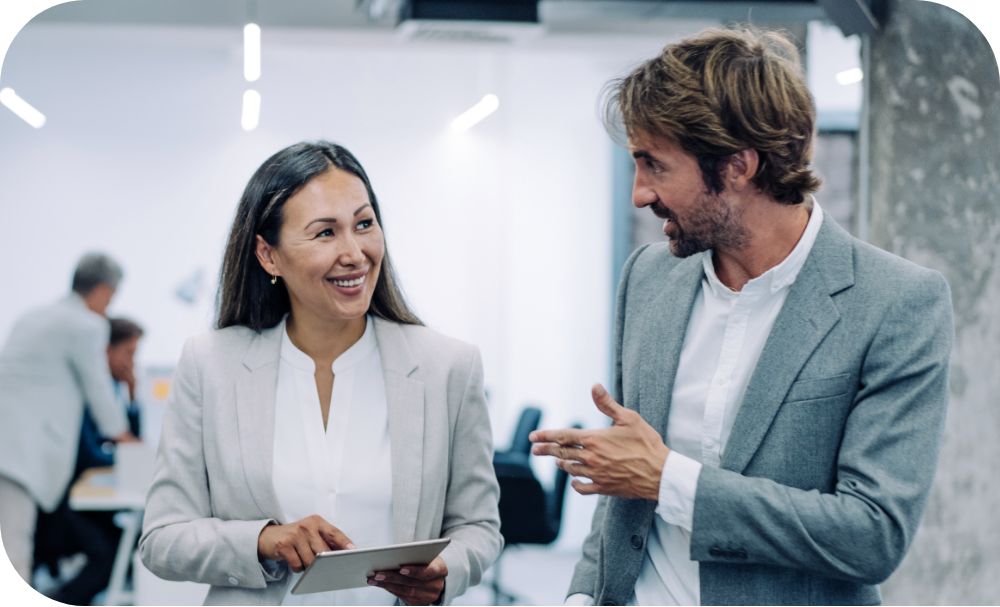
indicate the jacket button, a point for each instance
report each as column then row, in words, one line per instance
column 636, row 542
column 715, row 551
column 233, row 581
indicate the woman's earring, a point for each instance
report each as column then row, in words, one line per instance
column 274, row 280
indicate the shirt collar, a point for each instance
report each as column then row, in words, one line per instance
column 360, row 350
column 780, row 276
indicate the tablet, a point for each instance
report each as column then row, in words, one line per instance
column 341, row 569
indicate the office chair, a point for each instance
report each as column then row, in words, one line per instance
column 527, row 423
column 529, row 514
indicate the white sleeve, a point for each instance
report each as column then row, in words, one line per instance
column 677, row 488
column 579, row 600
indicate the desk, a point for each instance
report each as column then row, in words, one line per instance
column 97, row 490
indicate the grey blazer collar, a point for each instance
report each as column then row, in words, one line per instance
column 807, row 316
column 256, row 386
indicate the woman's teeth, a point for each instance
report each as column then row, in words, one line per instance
column 349, row 283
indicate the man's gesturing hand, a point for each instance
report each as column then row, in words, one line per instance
column 625, row 460
column 414, row 584
column 298, row 543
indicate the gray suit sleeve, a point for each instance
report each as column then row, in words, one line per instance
column 885, row 466
column 471, row 513
column 89, row 358
column 585, row 573
column 181, row 540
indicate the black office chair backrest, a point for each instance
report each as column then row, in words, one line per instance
column 557, row 499
column 527, row 422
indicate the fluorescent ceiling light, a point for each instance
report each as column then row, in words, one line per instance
column 251, row 52
column 475, row 114
column 24, row 110
column 251, row 110
column 851, row 76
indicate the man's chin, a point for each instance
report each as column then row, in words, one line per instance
column 684, row 248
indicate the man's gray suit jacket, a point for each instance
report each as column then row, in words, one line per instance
column 822, row 484
column 53, row 362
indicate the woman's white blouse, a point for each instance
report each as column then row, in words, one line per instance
column 342, row 473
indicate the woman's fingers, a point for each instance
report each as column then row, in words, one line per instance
column 335, row 538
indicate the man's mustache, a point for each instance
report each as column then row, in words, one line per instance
column 662, row 212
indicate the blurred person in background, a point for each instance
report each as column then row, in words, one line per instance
column 321, row 413
column 54, row 361
column 65, row 532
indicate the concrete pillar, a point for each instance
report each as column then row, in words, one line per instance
column 935, row 199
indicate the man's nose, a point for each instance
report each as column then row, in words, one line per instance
column 642, row 195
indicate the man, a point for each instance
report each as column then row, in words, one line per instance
column 65, row 532
column 53, row 361
column 784, row 384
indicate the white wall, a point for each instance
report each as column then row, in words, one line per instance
column 501, row 236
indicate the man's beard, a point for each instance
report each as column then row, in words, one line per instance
column 713, row 224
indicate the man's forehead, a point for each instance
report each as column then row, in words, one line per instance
column 640, row 142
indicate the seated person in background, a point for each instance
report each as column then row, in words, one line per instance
column 65, row 532
column 321, row 413
column 96, row 450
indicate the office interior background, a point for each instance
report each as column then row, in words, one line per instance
column 508, row 234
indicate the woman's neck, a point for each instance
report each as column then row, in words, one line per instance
column 324, row 340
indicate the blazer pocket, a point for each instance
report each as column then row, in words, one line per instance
column 817, row 388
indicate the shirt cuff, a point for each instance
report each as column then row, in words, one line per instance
column 579, row 599
column 678, row 484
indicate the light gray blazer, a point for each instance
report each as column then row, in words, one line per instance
column 212, row 491
column 54, row 361
column 824, row 479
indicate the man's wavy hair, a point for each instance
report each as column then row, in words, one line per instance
column 720, row 92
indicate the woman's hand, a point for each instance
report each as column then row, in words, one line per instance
column 414, row 584
column 298, row 543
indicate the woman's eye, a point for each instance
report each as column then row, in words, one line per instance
column 326, row 232
column 364, row 224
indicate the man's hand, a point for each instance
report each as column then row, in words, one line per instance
column 413, row 584
column 298, row 543
column 126, row 437
column 625, row 460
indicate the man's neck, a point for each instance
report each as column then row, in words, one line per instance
column 774, row 228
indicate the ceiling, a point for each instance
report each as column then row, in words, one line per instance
column 554, row 15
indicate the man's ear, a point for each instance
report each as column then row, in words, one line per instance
column 741, row 168
column 265, row 255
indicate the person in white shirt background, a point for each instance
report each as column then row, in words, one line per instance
column 321, row 414
column 784, row 384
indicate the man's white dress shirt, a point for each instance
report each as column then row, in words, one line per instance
column 724, row 339
column 342, row 473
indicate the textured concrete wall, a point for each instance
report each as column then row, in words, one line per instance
column 935, row 185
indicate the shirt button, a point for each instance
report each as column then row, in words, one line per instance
column 636, row 542
column 233, row 581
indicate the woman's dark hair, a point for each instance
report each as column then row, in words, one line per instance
column 246, row 295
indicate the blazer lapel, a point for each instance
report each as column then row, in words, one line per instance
column 405, row 400
column 808, row 314
column 662, row 336
column 256, row 387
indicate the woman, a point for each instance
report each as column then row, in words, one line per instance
column 321, row 414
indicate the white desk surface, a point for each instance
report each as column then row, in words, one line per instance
column 97, row 490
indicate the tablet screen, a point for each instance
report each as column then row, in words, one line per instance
column 342, row 569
